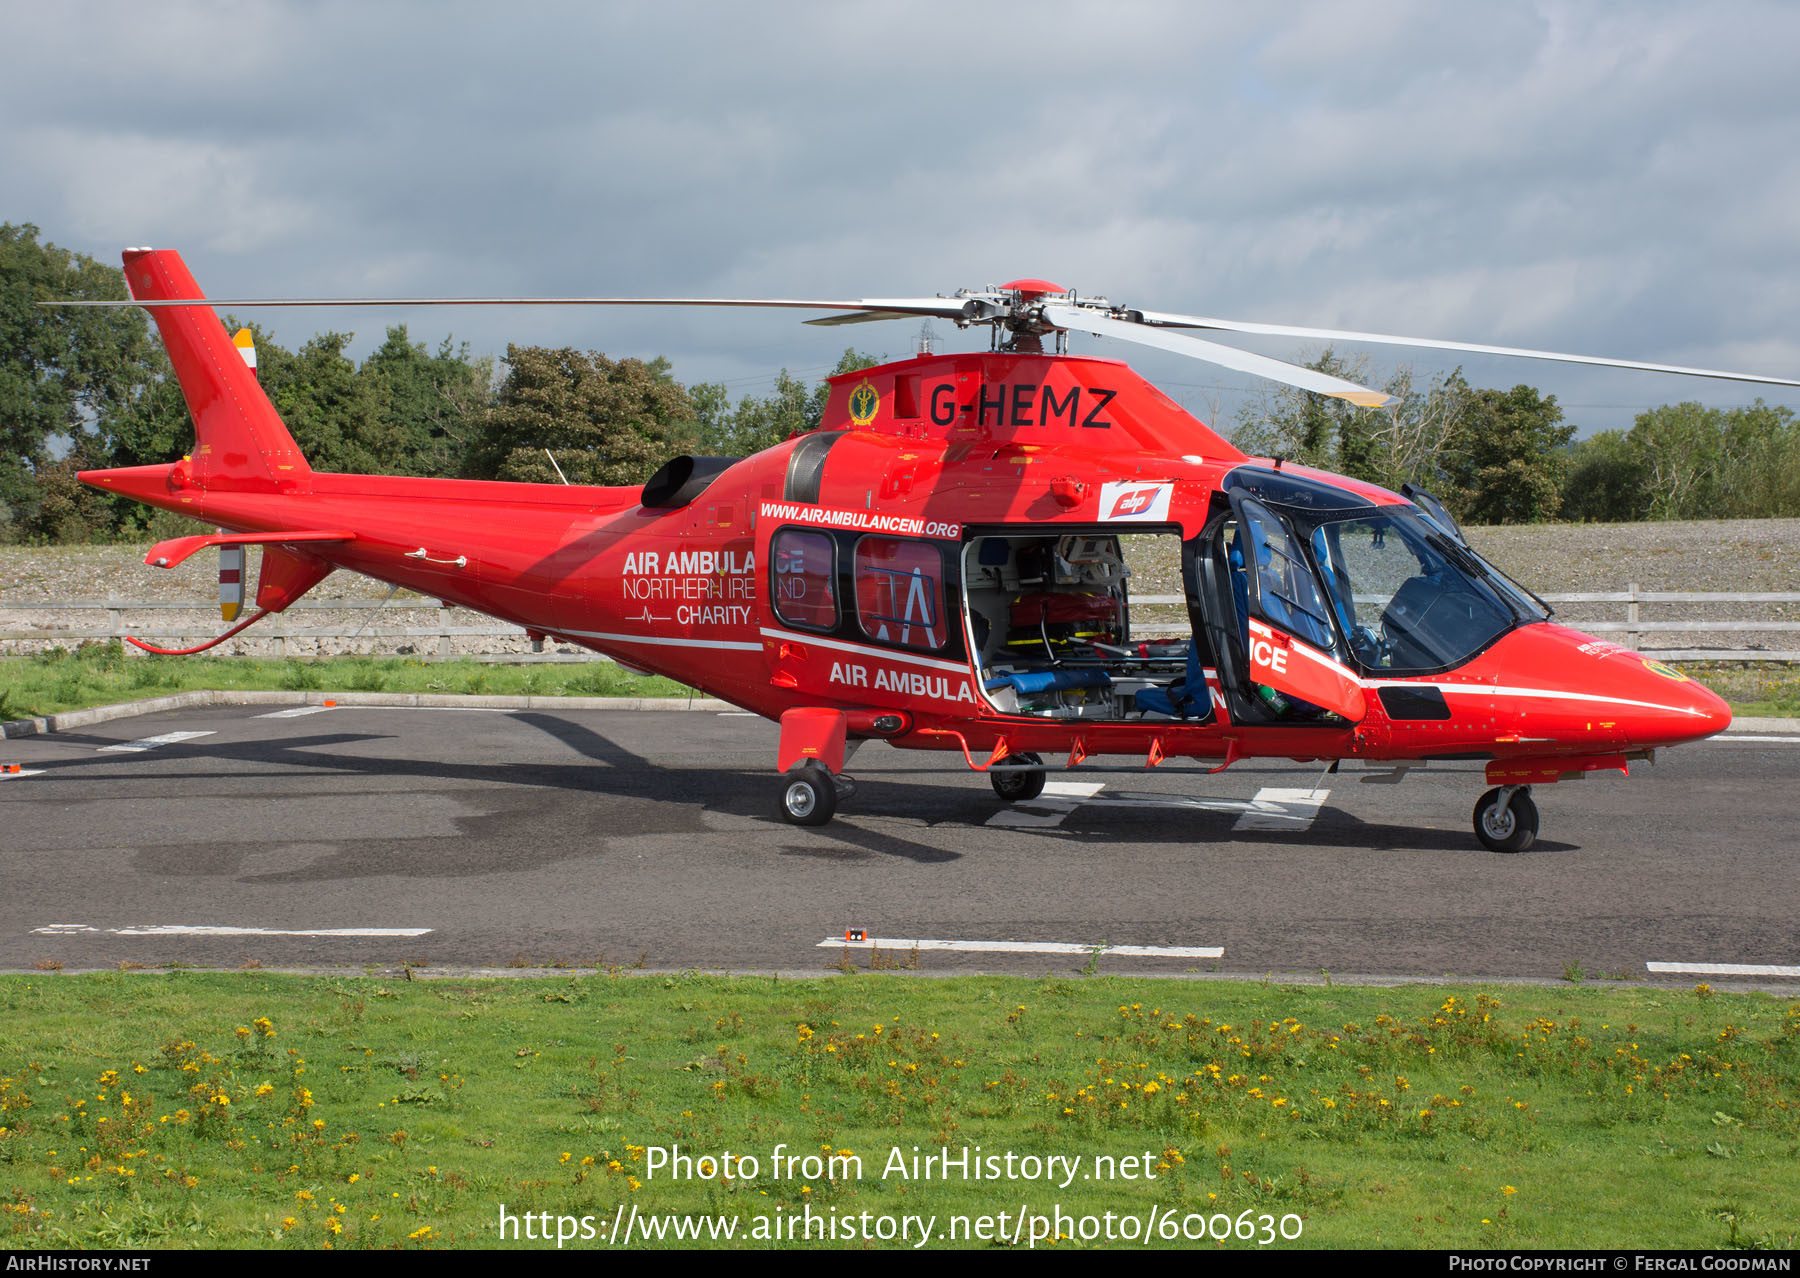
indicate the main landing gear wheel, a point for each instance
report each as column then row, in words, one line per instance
column 809, row 795
column 1506, row 824
column 1017, row 787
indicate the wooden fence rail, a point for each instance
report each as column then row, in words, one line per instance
column 280, row 629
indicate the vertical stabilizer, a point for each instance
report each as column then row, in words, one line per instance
column 240, row 440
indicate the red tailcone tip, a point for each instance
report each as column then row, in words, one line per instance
column 148, row 484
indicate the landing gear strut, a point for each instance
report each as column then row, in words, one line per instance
column 1506, row 819
column 1017, row 787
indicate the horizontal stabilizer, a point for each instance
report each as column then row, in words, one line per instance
column 166, row 554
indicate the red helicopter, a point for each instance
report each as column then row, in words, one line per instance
column 942, row 565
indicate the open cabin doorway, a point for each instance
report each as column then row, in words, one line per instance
column 1083, row 625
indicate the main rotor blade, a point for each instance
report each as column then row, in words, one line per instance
column 935, row 307
column 892, row 308
column 1089, row 321
column 1342, row 335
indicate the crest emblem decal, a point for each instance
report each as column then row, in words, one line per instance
column 865, row 402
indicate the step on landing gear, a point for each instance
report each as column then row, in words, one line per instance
column 1506, row 819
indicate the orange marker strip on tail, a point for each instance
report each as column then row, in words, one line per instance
column 245, row 341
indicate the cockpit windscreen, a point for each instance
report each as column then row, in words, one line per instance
column 1409, row 599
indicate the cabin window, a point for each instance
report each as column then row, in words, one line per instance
column 805, row 570
column 900, row 592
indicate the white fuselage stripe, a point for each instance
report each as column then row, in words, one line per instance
column 1549, row 694
column 1307, row 650
column 658, row 641
column 864, row 650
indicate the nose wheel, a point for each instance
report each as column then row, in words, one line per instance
column 1506, row 819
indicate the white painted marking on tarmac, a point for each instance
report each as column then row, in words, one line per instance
column 1725, row 969
column 150, row 743
column 737, row 714
column 1049, row 808
column 26, row 772
column 1271, row 809
column 452, row 709
column 295, row 712
column 1026, row 947
column 186, row 929
column 1073, row 789
column 1277, row 809
column 1731, row 737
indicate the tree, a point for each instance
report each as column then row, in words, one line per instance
column 1678, row 447
column 61, row 369
column 1605, row 480
column 1509, row 469
column 426, row 408
column 1423, row 433
column 1491, row 456
column 329, row 410
column 403, row 411
column 762, row 423
column 1409, row 441
column 607, row 421
column 1759, row 463
column 1312, row 429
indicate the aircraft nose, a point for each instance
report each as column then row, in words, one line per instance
column 1570, row 688
column 1713, row 714
column 1693, row 711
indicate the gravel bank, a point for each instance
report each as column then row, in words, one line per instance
column 1719, row 555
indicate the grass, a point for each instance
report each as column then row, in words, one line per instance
column 100, row 674
column 254, row 1109
column 1764, row 688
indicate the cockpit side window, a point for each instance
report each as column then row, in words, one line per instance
column 1286, row 590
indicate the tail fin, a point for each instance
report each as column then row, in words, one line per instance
column 240, row 440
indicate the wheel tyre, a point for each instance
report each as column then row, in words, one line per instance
column 1512, row 831
column 808, row 795
column 1017, row 787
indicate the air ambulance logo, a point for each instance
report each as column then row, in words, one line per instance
column 865, row 402
column 1135, row 502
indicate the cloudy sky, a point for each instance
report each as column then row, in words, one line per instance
column 1615, row 179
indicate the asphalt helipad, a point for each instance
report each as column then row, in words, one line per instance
column 486, row 837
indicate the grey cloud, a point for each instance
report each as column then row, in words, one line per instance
column 1607, row 177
